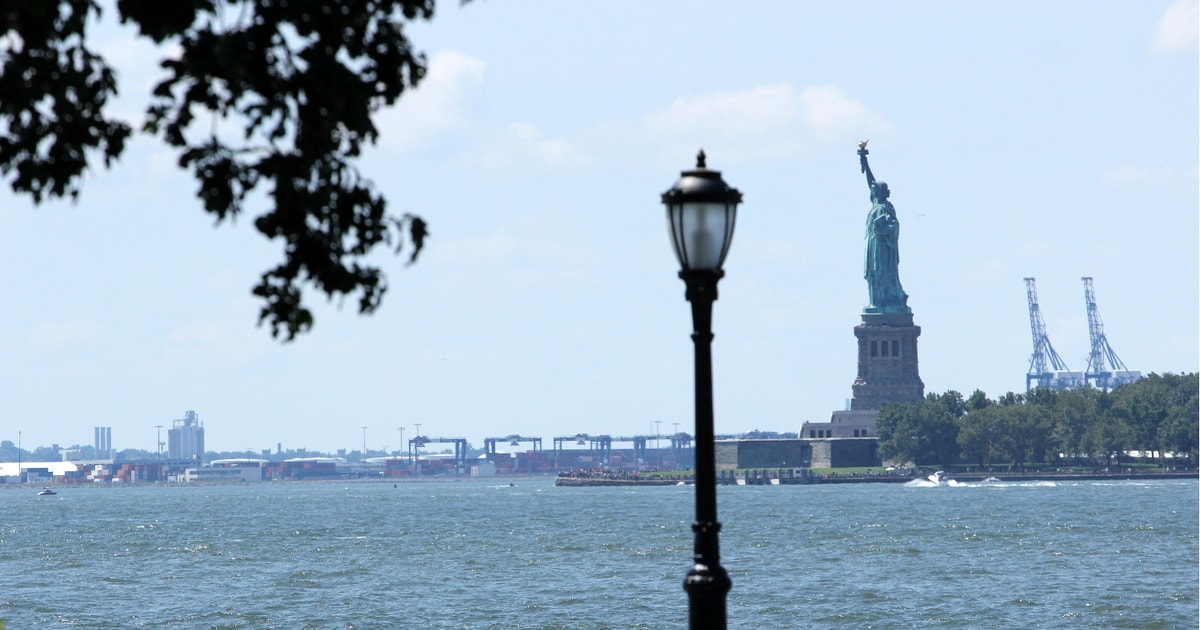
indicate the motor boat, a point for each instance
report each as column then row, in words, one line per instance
column 936, row 479
column 46, row 492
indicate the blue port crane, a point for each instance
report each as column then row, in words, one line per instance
column 1039, row 375
column 1102, row 357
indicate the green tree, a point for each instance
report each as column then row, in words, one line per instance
column 1026, row 431
column 1109, row 437
column 1072, row 415
column 303, row 80
column 1152, row 406
column 1141, row 406
column 46, row 454
column 1009, row 399
column 1181, row 432
column 981, row 436
column 1043, row 396
column 940, row 422
column 135, row 454
column 951, row 402
column 9, row 453
column 898, row 433
column 1045, row 425
column 925, row 434
column 978, row 400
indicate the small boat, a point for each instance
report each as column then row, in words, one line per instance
column 46, row 492
column 938, row 478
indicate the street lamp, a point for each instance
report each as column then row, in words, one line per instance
column 701, row 212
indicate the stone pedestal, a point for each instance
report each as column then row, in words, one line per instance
column 887, row 361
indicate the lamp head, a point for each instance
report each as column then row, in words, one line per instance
column 701, row 214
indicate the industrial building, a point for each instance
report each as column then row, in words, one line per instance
column 103, row 443
column 185, row 440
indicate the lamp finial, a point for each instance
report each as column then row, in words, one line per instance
column 700, row 157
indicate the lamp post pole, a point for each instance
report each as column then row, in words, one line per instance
column 707, row 583
column 702, row 212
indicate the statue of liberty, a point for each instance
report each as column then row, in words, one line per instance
column 881, row 265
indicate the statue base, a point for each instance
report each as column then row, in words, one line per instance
column 887, row 361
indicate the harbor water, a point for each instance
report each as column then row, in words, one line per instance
column 484, row 554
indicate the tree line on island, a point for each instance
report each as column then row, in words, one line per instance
column 1154, row 416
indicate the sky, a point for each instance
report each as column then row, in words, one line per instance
column 1052, row 140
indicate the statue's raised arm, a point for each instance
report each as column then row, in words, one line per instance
column 866, row 168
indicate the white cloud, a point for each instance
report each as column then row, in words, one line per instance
column 443, row 105
column 774, row 118
column 1178, row 30
column 554, row 150
column 770, row 120
column 1130, row 174
column 439, row 103
column 753, row 111
column 830, row 113
column 63, row 333
column 522, row 144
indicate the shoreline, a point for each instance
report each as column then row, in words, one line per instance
column 678, row 480
column 581, row 482
column 497, row 480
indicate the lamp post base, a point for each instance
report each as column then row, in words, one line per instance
column 707, row 586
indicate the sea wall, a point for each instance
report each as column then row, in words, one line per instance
column 801, row 453
column 618, row 481
column 844, row 453
column 732, row 454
